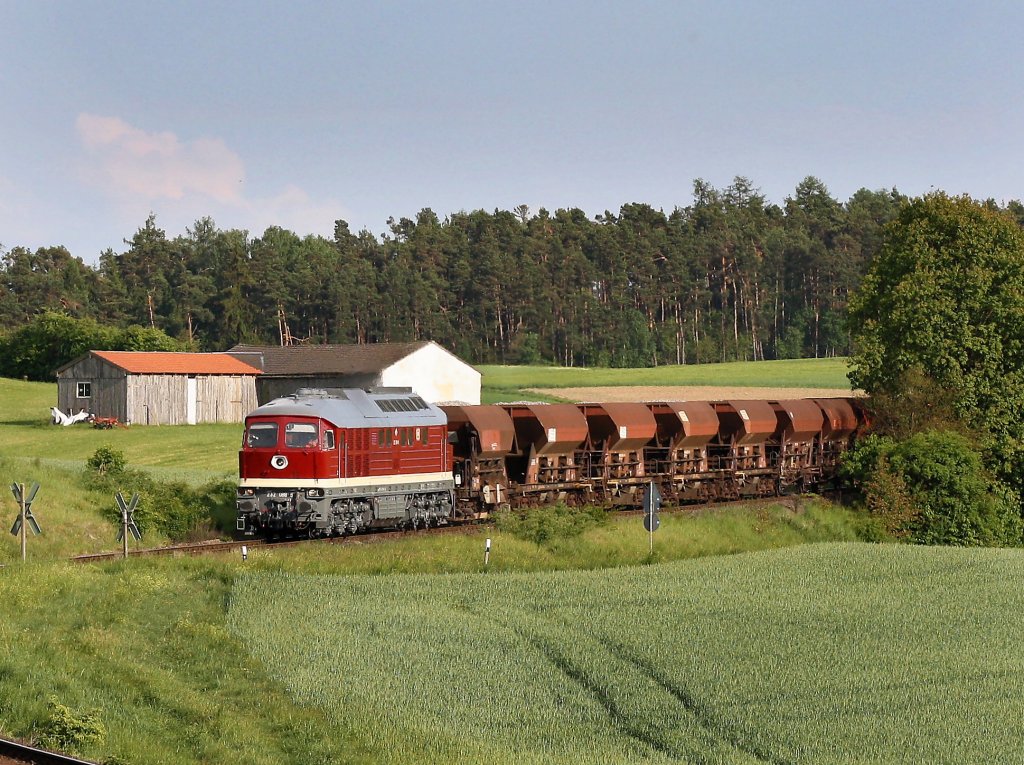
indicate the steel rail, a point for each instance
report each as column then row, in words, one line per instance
column 204, row 548
column 21, row 752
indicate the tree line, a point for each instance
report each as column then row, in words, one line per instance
column 730, row 277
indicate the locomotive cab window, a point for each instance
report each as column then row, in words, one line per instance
column 261, row 435
column 329, row 440
column 298, row 435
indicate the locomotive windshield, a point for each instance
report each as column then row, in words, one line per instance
column 261, row 435
column 300, row 434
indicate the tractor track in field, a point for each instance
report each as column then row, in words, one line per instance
column 376, row 537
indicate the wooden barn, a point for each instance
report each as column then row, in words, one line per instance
column 158, row 388
column 433, row 372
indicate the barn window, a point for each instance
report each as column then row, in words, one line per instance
column 84, row 390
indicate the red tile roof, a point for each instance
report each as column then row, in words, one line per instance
column 167, row 363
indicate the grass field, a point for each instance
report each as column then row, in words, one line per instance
column 510, row 383
column 816, row 654
column 147, row 642
column 193, row 452
column 579, row 649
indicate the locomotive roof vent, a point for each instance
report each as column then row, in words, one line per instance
column 411, row 404
column 318, row 393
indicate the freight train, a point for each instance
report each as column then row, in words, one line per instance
column 332, row 462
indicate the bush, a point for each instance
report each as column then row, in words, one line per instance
column 172, row 508
column 542, row 525
column 67, row 731
column 932, row 488
column 107, row 461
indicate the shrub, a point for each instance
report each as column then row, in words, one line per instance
column 932, row 488
column 107, row 461
column 542, row 525
column 68, row 731
column 172, row 508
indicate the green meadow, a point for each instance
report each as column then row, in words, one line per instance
column 502, row 383
column 816, row 654
column 813, row 653
column 768, row 634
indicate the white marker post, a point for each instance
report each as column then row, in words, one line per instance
column 487, row 552
column 245, row 553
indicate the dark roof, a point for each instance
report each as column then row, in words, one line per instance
column 308, row 360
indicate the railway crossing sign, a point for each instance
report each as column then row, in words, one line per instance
column 127, row 520
column 25, row 519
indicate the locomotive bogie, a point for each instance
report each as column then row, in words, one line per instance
column 295, row 513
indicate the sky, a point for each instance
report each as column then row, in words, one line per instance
column 299, row 114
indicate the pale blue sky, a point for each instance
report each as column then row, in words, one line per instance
column 300, row 113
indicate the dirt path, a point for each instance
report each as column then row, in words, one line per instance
column 688, row 393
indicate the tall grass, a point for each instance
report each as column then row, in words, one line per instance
column 817, row 654
column 145, row 642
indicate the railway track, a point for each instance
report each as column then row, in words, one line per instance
column 18, row 752
column 207, row 548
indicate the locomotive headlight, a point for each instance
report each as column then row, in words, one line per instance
column 314, row 493
column 246, row 491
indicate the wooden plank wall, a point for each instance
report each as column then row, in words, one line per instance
column 154, row 399
column 157, row 399
column 225, row 398
column 163, row 399
column 109, row 389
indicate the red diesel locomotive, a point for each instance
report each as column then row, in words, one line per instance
column 321, row 463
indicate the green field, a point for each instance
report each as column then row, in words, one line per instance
column 147, row 642
column 575, row 646
column 824, row 653
column 818, row 654
column 194, row 452
column 502, row 383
